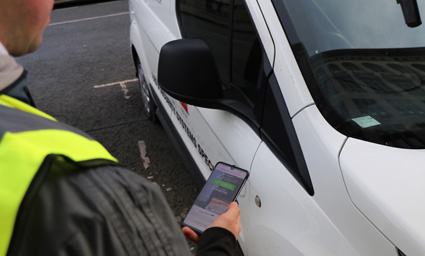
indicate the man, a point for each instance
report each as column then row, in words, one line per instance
column 61, row 192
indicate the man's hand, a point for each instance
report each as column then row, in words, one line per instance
column 230, row 220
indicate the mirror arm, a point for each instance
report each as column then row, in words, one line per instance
column 410, row 12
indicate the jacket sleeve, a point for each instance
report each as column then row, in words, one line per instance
column 103, row 211
column 217, row 242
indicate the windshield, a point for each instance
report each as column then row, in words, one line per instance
column 365, row 67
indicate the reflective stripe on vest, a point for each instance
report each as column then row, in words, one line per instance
column 26, row 138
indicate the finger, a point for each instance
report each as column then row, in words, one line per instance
column 233, row 210
column 190, row 234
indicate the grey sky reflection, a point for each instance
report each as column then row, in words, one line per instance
column 324, row 25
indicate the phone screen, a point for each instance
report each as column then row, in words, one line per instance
column 219, row 191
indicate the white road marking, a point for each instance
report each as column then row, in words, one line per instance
column 146, row 160
column 92, row 18
column 125, row 90
column 116, row 83
column 122, row 84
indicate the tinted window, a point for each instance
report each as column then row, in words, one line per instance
column 246, row 52
column 209, row 20
column 227, row 28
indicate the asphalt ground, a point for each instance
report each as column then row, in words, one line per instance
column 83, row 75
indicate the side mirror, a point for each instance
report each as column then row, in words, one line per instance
column 187, row 72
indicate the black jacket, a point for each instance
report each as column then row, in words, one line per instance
column 103, row 211
column 106, row 211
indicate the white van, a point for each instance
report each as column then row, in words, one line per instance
column 322, row 101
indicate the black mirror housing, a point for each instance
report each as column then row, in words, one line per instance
column 186, row 71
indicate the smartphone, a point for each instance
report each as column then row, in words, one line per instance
column 222, row 188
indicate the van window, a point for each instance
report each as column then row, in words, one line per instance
column 246, row 52
column 209, row 20
column 228, row 29
column 367, row 81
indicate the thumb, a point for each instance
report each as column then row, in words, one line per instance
column 233, row 210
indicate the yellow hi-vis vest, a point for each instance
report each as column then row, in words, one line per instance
column 27, row 138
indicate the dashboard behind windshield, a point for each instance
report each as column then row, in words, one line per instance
column 364, row 66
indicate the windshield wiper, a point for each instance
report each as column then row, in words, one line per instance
column 410, row 12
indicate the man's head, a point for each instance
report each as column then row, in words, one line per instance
column 22, row 23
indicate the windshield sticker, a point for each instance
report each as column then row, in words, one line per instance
column 366, row 121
